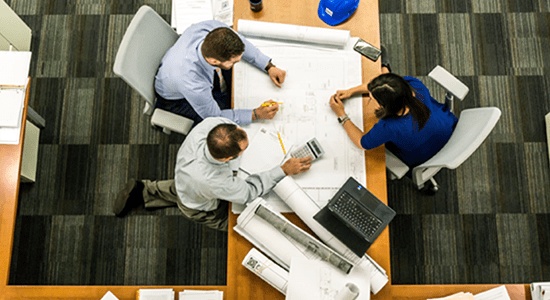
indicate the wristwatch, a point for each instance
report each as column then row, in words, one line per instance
column 343, row 119
column 269, row 66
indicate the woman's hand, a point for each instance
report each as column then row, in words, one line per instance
column 337, row 106
column 343, row 94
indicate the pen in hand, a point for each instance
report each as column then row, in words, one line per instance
column 268, row 104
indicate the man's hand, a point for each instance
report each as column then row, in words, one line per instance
column 337, row 106
column 267, row 110
column 277, row 75
column 296, row 165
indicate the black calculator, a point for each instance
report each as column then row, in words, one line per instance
column 310, row 149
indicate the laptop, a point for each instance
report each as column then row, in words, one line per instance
column 355, row 216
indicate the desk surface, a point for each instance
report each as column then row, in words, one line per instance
column 241, row 284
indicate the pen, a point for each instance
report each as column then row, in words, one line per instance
column 270, row 103
column 281, row 142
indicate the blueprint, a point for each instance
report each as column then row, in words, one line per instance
column 314, row 73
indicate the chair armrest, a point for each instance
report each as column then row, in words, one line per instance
column 171, row 122
column 449, row 82
column 395, row 166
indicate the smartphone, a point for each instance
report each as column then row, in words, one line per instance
column 366, row 49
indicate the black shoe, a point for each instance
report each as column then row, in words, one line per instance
column 384, row 58
column 129, row 198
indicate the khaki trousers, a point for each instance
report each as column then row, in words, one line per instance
column 162, row 193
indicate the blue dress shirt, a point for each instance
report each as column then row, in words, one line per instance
column 185, row 74
column 402, row 137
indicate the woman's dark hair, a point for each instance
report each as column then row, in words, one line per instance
column 223, row 141
column 394, row 94
column 222, row 44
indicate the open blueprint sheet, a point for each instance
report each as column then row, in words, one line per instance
column 317, row 65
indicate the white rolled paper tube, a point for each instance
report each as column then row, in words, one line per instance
column 349, row 292
column 294, row 33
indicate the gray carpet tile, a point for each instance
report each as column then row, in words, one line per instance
column 518, row 248
column 537, row 177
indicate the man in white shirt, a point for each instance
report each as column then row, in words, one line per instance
column 205, row 178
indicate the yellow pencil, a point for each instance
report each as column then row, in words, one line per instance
column 281, row 142
column 270, row 103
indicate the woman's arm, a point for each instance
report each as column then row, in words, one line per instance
column 354, row 133
column 345, row 94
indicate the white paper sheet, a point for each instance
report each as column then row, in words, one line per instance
column 313, row 75
column 15, row 68
column 310, row 279
column 155, row 294
column 11, row 107
column 200, row 295
column 187, row 12
column 264, row 151
column 498, row 293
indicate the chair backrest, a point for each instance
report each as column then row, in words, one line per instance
column 145, row 42
column 473, row 127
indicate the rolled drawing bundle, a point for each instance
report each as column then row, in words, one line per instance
column 289, row 191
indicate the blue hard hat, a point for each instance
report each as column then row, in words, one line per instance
column 334, row 12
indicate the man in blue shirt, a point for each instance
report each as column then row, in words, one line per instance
column 188, row 81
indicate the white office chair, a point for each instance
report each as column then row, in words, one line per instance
column 145, row 42
column 473, row 127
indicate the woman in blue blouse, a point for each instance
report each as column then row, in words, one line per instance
column 411, row 124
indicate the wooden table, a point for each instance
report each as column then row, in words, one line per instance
column 241, row 284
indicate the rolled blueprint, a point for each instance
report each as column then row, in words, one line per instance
column 294, row 33
column 349, row 292
column 266, row 269
column 291, row 193
column 265, row 233
column 312, row 244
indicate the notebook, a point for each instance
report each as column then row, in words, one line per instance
column 355, row 216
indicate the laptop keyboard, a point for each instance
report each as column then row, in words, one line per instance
column 359, row 218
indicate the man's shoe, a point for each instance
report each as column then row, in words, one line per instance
column 129, row 198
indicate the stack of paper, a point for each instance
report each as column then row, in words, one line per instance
column 109, row 296
column 457, row 296
column 13, row 83
column 187, row 12
column 155, row 294
column 498, row 293
column 540, row 291
column 201, row 295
